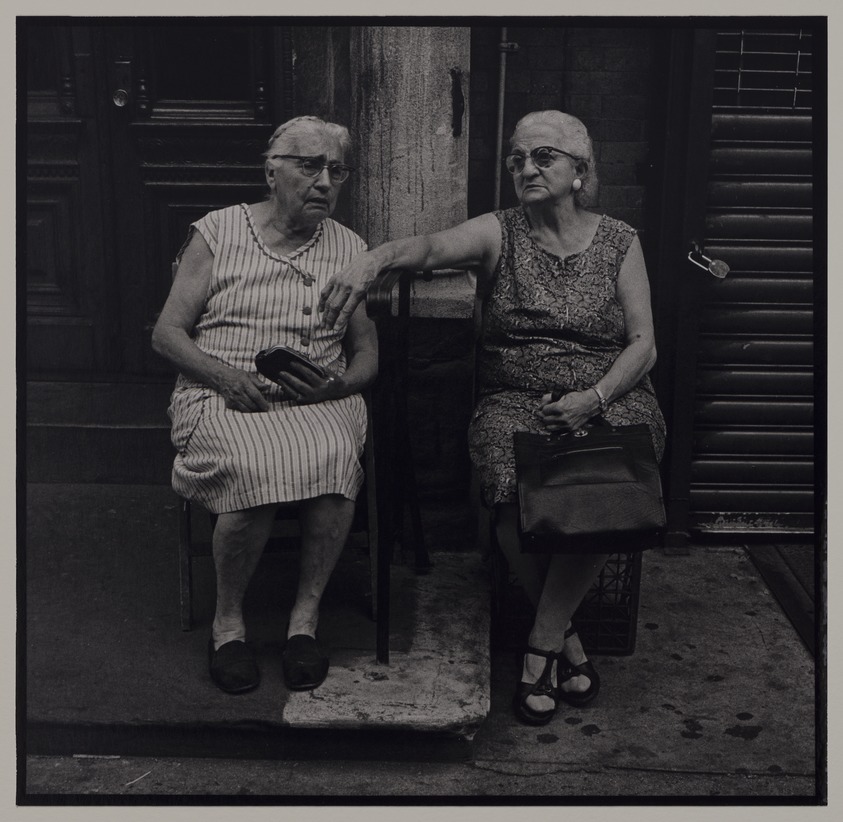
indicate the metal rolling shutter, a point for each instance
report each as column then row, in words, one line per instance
column 752, row 467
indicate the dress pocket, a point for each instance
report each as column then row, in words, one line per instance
column 186, row 409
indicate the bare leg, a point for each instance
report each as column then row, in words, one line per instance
column 562, row 588
column 238, row 542
column 531, row 569
column 325, row 523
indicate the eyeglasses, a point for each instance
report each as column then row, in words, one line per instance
column 312, row 166
column 542, row 157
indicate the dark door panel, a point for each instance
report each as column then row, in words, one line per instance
column 187, row 133
column 134, row 131
column 72, row 318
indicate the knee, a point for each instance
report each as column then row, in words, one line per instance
column 328, row 518
column 238, row 524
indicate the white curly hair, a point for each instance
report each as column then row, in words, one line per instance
column 306, row 122
column 574, row 138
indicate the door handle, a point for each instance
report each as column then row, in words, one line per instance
column 715, row 267
column 120, row 97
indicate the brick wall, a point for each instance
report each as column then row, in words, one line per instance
column 605, row 76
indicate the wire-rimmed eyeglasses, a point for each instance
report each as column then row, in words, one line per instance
column 311, row 166
column 542, row 157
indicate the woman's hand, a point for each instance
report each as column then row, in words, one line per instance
column 345, row 290
column 306, row 388
column 241, row 391
column 571, row 412
column 474, row 244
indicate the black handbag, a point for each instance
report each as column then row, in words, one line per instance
column 597, row 489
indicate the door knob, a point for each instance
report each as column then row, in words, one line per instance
column 120, row 97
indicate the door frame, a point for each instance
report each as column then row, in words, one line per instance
column 679, row 285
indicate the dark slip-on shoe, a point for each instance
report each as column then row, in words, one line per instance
column 304, row 665
column 233, row 667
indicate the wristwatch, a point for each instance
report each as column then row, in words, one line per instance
column 604, row 403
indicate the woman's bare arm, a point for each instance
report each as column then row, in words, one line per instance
column 634, row 361
column 473, row 244
column 172, row 335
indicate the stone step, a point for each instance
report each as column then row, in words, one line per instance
column 129, row 679
column 86, row 432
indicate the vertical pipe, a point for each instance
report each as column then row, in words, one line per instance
column 499, row 134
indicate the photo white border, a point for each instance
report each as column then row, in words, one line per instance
column 380, row 809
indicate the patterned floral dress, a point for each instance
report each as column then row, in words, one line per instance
column 549, row 321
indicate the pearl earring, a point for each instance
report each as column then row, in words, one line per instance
column 577, row 184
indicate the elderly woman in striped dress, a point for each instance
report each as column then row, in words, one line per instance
column 249, row 277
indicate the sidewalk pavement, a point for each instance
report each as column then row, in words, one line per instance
column 717, row 700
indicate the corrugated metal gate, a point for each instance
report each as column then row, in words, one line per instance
column 752, row 462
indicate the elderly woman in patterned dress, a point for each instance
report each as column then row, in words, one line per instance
column 567, row 304
column 249, row 277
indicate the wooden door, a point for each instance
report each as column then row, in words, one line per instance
column 72, row 325
column 134, row 130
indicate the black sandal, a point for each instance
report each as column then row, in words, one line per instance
column 541, row 687
column 567, row 670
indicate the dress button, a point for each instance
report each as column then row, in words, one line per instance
column 306, row 310
column 305, row 341
column 308, row 281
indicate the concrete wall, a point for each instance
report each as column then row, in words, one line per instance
column 412, row 167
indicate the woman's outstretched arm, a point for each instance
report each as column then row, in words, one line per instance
column 473, row 244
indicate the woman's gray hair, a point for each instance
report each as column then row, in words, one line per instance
column 307, row 122
column 574, row 138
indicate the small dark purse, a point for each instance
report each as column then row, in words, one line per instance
column 277, row 360
column 597, row 489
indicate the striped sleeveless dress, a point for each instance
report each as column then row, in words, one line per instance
column 230, row 460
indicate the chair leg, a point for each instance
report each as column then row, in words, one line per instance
column 185, row 568
column 372, row 524
column 382, row 614
column 379, row 559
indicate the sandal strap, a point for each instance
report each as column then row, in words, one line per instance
column 543, row 686
column 566, row 670
column 538, row 652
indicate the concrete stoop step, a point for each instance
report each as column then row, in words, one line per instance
column 427, row 703
column 440, row 684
